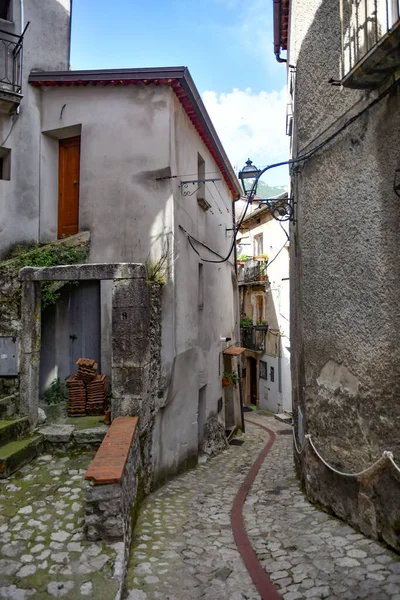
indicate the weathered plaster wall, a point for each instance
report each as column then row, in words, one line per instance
column 194, row 346
column 130, row 136
column 46, row 46
column 345, row 278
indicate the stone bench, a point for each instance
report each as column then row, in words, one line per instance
column 114, row 476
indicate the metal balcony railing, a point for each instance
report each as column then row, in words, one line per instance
column 254, row 271
column 363, row 24
column 10, row 62
column 253, row 337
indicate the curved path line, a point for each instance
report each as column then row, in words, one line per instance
column 256, row 571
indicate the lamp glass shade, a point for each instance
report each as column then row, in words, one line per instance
column 248, row 176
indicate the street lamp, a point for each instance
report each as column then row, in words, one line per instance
column 280, row 208
column 249, row 177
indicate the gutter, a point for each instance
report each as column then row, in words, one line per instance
column 277, row 30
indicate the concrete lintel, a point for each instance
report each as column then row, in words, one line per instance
column 93, row 271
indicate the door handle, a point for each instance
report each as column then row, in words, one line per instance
column 73, row 337
column 76, row 182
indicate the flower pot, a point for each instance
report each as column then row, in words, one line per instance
column 107, row 417
column 262, row 277
column 226, row 381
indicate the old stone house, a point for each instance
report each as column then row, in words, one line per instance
column 263, row 280
column 131, row 157
column 343, row 63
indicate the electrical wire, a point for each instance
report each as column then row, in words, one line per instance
column 293, row 161
column 219, row 193
column 9, row 133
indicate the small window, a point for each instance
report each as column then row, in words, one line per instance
column 258, row 244
column 5, row 163
column 272, row 374
column 201, row 287
column 5, row 10
column 263, row 370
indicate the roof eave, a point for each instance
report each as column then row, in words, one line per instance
column 176, row 77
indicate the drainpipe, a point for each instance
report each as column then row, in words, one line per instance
column 22, row 25
column 277, row 31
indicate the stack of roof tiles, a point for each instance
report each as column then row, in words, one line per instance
column 87, row 369
column 86, row 390
column 96, row 395
column 76, row 397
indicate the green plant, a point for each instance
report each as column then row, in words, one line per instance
column 246, row 322
column 263, row 256
column 49, row 255
column 56, row 393
column 243, row 257
column 157, row 270
column 233, row 377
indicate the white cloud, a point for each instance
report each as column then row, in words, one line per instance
column 251, row 125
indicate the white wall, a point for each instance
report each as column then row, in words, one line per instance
column 46, row 46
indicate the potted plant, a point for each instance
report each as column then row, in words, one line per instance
column 229, row 379
column 246, row 322
column 262, row 258
column 262, row 326
column 241, row 259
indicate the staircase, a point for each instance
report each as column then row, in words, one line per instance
column 17, row 445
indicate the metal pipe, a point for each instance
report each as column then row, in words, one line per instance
column 22, row 21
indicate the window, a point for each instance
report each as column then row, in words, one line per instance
column 201, row 287
column 263, row 370
column 5, row 163
column 272, row 374
column 258, row 244
column 201, row 191
column 5, row 10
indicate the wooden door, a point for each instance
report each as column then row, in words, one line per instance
column 68, row 186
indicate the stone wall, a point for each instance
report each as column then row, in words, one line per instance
column 109, row 507
column 345, row 281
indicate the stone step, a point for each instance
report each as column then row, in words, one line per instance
column 7, row 406
column 15, row 455
column 13, row 429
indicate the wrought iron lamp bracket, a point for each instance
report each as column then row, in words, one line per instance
column 187, row 191
column 280, row 209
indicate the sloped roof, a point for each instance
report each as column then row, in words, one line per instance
column 281, row 25
column 178, row 78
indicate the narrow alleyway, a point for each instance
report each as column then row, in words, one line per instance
column 184, row 546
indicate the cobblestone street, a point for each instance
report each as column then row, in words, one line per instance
column 184, row 547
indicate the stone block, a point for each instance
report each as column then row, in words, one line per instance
column 91, row 271
column 131, row 292
column 57, row 434
column 93, row 435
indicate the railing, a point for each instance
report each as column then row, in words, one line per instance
column 10, row 62
column 363, row 24
column 253, row 337
column 254, row 271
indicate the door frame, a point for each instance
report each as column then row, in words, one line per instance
column 74, row 141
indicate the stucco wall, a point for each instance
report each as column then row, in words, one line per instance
column 46, row 46
column 129, row 137
column 194, row 346
column 345, row 281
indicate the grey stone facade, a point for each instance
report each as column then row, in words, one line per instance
column 109, row 507
column 345, row 278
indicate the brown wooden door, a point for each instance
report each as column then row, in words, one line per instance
column 68, row 186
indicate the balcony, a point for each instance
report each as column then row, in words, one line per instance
column 370, row 31
column 253, row 271
column 252, row 337
column 10, row 71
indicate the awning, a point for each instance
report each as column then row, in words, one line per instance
column 234, row 351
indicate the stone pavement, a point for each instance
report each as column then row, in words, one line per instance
column 43, row 553
column 183, row 545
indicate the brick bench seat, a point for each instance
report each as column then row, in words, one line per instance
column 114, row 482
column 109, row 463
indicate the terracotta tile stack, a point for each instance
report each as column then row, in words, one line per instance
column 76, row 397
column 87, row 369
column 86, row 390
column 96, row 395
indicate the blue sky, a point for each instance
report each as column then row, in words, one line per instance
column 227, row 46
